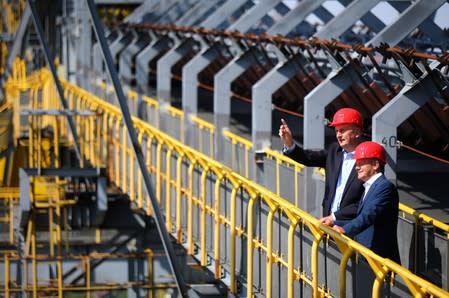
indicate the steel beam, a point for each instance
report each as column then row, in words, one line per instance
column 196, row 13
column 262, row 100
column 117, row 45
column 52, row 68
column 190, row 85
column 200, row 61
column 414, row 15
column 295, row 17
column 223, row 13
column 165, row 64
column 223, row 94
column 253, row 15
column 340, row 23
column 126, row 59
column 163, row 233
column 385, row 122
column 84, row 62
column 97, row 62
column 176, row 11
column 316, row 101
column 144, row 58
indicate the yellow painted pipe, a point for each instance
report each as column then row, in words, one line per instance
column 168, row 216
column 269, row 270
column 291, row 260
column 190, row 249
column 179, row 197
column 250, row 247
column 203, row 217
column 233, row 286
column 217, row 246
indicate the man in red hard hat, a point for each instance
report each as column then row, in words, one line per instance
column 342, row 188
column 375, row 225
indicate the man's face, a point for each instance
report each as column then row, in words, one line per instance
column 366, row 168
column 347, row 136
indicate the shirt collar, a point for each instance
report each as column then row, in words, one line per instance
column 371, row 180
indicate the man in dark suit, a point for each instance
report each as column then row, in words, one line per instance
column 375, row 225
column 342, row 188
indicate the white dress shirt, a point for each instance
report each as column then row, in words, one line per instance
column 370, row 182
column 346, row 168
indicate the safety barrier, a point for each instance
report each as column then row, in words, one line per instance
column 245, row 233
column 44, row 282
column 284, row 177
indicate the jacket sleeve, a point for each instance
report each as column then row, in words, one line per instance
column 310, row 158
column 376, row 205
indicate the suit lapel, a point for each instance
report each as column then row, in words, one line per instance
column 370, row 191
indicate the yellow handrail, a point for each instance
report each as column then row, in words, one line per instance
column 171, row 148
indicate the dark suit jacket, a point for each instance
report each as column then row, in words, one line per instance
column 377, row 218
column 332, row 160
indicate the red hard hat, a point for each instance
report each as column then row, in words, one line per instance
column 370, row 150
column 347, row 116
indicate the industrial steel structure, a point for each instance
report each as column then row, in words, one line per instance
column 139, row 156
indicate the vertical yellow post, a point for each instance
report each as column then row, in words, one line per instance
column 6, row 264
column 202, row 198
column 168, row 216
column 342, row 270
column 190, row 250
column 158, row 170
column 233, row 287
column 269, row 274
column 11, row 221
column 179, row 197
column 60, row 277
column 217, row 247
column 125, row 155
column 87, row 275
column 150, row 272
column 250, row 245
column 318, row 235
column 50, row 228
column 33, row 256
column 291, row 259
column 116, row 149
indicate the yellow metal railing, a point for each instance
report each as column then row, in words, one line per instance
column 9, row 197
column 41, row 286
column 187, row 207
column 239, row 143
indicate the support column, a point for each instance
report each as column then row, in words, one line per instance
column 165, row 64
column 316, row 101
column 221, row 14
column 127, row 57
column 164, row 76
column 252, row 16
column 295, row 17
column 144, row 58
column 262, row 101
column 223, row 94
column 84, row 62
column 385, row 122
column 97, row 56
column 190, row 86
